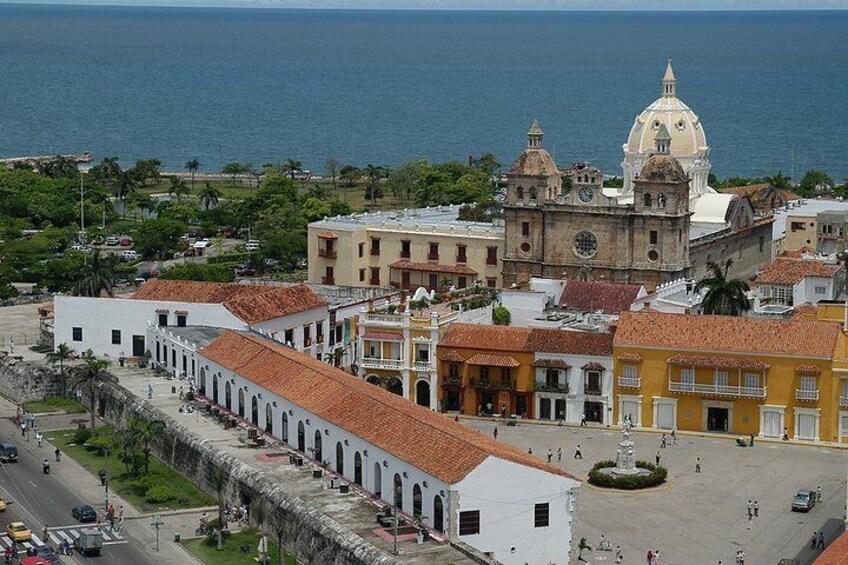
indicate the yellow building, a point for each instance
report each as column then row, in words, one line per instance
column 405, row 249
column 732, row 374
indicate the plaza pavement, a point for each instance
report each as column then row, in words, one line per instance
column 696, row 519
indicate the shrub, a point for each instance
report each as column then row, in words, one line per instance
column 82, row 435
column 501, row 316
column 657, row 476
column 391, row 309
column 98, row 443
column 159, row 493
column 151, row 480
column 212, row 526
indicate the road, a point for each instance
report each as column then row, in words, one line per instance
column 38, row 499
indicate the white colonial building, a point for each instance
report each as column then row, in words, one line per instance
column 471, row 489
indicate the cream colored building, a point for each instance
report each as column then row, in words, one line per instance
column 406, row 249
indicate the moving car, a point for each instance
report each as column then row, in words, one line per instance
column 44, row 554
column 89, row 542
column 84, row 513
column 245, row 270
column 2, row 505
column 17, row 531
column 77, row 247
column 8, row 452
column 804, row 500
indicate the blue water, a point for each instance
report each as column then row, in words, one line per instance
column 386, row 87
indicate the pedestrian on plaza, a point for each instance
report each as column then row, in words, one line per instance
column 742, row 557
column 577, row 453
column 658, row 458
column 32, row 420
column 45, row 535
column 657, row 557
column 529, row 451
column 121, row 512
column 820, row 544
column 697, row 464
column 559, row 454
column 650, row 558
column 39, row 437
column 663, row 441
column 818, row 494
column 814, row 540
column 582, row 420
column 58, row 454
column 149, row 392
column 756, row 509
column 182, row 393
column 673, row 438
column 750, row 508
column 495, row 432
column 550, row 454
column 752, row 441
column 785, row 434
column 618, row 555
column 23, row 429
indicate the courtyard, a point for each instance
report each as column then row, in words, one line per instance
column 696, row 518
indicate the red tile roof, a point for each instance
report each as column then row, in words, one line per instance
column 727, row 334
column 629, row 356
column 385, row 336
column 433, row 267
column 598, row 296
column 836, row 553
column 251, row 303
column 813, row 369
column 327, row 235
column 551, row 364
column 493, row 360
column 506, row 338
column 593, row 366
column 789, row 271
column 720, row 362
column 425, row 439
column 452, row 357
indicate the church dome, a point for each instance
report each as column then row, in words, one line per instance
column 663, row 168
column 534, row 160
column 687, row 134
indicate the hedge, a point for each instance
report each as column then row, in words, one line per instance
column 657, row 476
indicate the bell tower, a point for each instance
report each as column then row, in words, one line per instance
column 669, row 83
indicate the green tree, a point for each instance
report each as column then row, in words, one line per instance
column 7, row 289
column 815, row 182
column 192, row 167
column 141, row 202
column 375, row 174
column 726, row 297
column 779, row 181
column 501, row 316
column 60, row 356
column 107, row 172
column 96, row 277
column 219, row 483
column 58, row 168
column 178, row 188
column 488, row 164
column 331, row 168
column 234, row 170
column 91, row 374
column 405, row 179
column 314, row 210
column 292, row 167
column 158, row 237
column 149, row 430
column 349, row 175
column 125, row 184
column 146, row 170
column 209, row 196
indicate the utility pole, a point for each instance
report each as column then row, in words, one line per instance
column 157, row 523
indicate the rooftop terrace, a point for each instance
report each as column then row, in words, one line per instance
column 437, row 218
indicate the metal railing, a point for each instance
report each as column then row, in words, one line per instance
column 492, row 384
column 327, row 253
column 384, row 319
column 391, row 364
column 630, row 382
column 542, row 386
column 421, row 366
column 801, row 394
column 718, row 390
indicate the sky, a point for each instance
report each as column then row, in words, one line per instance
column 661, row 5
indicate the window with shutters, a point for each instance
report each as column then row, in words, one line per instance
column 469, row 522
column 542, row 515
column 76, row 334
column 116, row 337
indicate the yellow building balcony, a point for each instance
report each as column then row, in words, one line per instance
column 629, row 382
column 806, row 395
column 422, row 366
column 717, row 390
column 387, row 364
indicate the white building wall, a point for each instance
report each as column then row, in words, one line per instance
column 312, row 318
column 524, row 306
column 805, row 291
column 574, row 404
column 506, row 493
column 99, row 316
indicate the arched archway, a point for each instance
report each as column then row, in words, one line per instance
column 519, row 193
column 646, row 200
column 357, row 468
column 397, row 491
column 241, row 402
column 284, row 427
column 202, row 383
column 661, row 200
column 417, row 503
column 438, row 514
column 395, row 386
column 373, row 379
column 269, row 418
column 318, row 451
column 215, row 389
column 378, row 480
column 422, row 393
column 301, row 438
column 339, row 458
column 228, row 395
column 533, row 193
column 254, row 411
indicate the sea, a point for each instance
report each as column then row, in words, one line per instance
column 385, row 87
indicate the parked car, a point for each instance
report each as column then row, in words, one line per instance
column 252, row 245
column 113, row 240
column 77, row 247
column 8, row 452
column 126, row 241
column 128, row 255
column 804, row 500
column 17, row 531
column 84, row 513
column 245, row 270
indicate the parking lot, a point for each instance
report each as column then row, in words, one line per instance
column 697, row 518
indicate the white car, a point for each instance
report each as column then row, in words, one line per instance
column 252, row 245
column 77, row 247
column 129, row 255
column 113, row 240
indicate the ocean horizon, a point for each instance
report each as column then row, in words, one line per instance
column 388, row 86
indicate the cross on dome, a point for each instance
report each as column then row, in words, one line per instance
column 669, row 83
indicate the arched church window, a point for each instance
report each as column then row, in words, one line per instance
column 533, row 193
column 519, row 192
column 661, row 200
column 646, row 200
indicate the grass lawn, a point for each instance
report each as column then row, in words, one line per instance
column 205, row 550
column 128, row 487
column 55, row 404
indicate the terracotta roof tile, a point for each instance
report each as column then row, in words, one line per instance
column 805, row 311
column 789, row 271
column 452, row 357
column 564, row 341
column 836, row 553
column 551, row 364
column 433, row 267
column 598, row 296
column 727, row 334
column 506, row 338
column 493, row 360
column 251, row 303
column 629, row 356
column 327, row 235
column 425, row 439
column 593, row 366
column 720, row 362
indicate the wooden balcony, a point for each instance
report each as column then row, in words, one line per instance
column 717, row 390
column 452, row 381
column 327, row 253
column 492, row 384
column 806, row 395
column 421, row 366
column 629, row 382
column 542, row 386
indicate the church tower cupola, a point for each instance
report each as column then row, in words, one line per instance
column 663, row 140
column 669, row 83
column 535, row 136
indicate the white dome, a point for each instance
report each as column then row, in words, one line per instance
column 688, row 140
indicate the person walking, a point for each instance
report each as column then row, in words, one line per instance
column 673, row 438
column 756, row 509
column 750, row 508
column 550, row 454
column 23, row 429
column 529, row 451
column 750, row 523
column 577, row 453
column 559, row 454
column 663, row 441
column 495, row 432
column 582, row 420
column 149, row 392
column 814, row 540
column 618, row 555
column 752, row 441
column 742, row 557
column 39, row 437
column 818, row 493
column 697, row 464
column 820, row 543
column 658, row 458
column 650, row 558
column 785, row 434
column 58, row 454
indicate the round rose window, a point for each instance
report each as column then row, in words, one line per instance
column 586, row 244
column 525, row 247
column 653, row 255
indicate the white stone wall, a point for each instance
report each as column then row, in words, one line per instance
column 312, row 318
column 574, row 403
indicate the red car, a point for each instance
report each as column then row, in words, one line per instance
column 126, row 242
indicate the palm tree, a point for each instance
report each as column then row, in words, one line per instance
column 125, row 185
column 259, row 514
column 209, row 196
column 148, row 431
column 374, row 174
column 219, row 481
column 108, row 171
column 63, row 353
column 291, row 167
column 95, row 277
column 92, row 374
column 178, row 188
column 127, row 442
column 334, row 357
column 724, row 296
column 192, row 167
